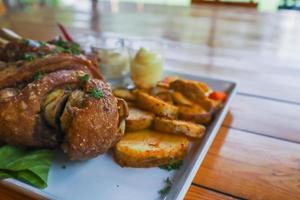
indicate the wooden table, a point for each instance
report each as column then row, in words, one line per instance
column 256, row 154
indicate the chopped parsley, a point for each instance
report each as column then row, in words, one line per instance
column 96, row 93
column 168, row 184
column 42, row 44
column 38, row 75
column 83, row 79
column 172, row 166
column 29, row 56
column 67, row 47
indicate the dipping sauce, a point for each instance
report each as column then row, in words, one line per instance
column 114, row 64
column 146, row 68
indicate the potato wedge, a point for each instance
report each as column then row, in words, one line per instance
column 138, row 119
column 162, row 93
column 193, row 90
column 210, row 105
column 155, row 105
column 165, row 83
column 179, row 99
column 150, row 149
column 178, row 127
column 124, row 94
column 195, row 114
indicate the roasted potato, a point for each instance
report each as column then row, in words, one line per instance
column 138, row 119
column 193, row 90
column 195, row 114
column 210, row 105
column 124, row 94
column 179, row 99
column 150, row 149
column 179, row 127
column 162, row 93
column 156, row 105
column 165, row 83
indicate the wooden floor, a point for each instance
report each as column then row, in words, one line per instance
column 256, row 154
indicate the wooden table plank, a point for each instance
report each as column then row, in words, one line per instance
column 200, row 193
column 13, row 192
column 265, row 117
column 252, row 166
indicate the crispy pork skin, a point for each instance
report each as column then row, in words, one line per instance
column 20, row 114
column 57, row 100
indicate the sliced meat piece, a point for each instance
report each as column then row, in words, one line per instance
column 91, row 125
column 15, row 50
column 20, row 119
column 13, row 74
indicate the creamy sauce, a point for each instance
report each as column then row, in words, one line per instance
column 146, row 68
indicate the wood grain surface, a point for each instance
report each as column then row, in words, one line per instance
column 196, row 192
column 251, row 166
column 256, row 153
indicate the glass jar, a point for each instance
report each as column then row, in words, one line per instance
column 114, row 57
column 147, row 62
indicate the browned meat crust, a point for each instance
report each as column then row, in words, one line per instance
column 15, row 50
column 59, row 107
column 92, row 125
column 12, row 75
column 19, row 115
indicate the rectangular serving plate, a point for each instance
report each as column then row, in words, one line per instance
column 102, row 178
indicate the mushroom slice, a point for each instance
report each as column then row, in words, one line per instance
column 74, row 101
column 54, row 105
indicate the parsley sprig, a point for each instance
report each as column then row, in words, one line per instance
column 39, row 75
column 83, row 79
column 168, row 184
column 172, row 166
column 67, row 47
column 96, row 93
column 29, row 57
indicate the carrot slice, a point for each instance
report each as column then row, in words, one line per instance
column 218, row 96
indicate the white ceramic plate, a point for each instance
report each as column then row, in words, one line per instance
column 102, row 178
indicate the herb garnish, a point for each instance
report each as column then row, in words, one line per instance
column 29, row 166
column 39, row 75
column 168, row 184
column 67, row 47
column 172, row 166
column 42, row 44
column 95, row 92
column 29, row 56
column 83, row 79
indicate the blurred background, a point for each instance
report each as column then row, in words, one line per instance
column 262, row 5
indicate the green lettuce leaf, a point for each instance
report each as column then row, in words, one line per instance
column 31, row 167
